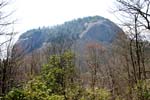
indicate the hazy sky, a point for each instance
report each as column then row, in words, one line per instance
column 38, row 13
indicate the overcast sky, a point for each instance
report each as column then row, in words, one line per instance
column 38, row 13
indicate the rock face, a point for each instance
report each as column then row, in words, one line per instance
column 82, row 30
column 101, row 31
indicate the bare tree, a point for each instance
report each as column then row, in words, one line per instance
column 137, row 21
column 7, row 59
column 140, row 8
column 94, row 52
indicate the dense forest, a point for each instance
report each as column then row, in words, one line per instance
column 88, row 58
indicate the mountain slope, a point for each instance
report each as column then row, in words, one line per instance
column 86, row 29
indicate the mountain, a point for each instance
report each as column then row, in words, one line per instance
column 81, row 30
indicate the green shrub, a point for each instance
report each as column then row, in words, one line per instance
column 55, row 97
column 16, row 94
column 142, row 90
column 97, row 94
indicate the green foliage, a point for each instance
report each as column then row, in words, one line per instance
column 55, row 82
column 36, row 90
column 30, row 95
column 52, row 75
column 142, row 90
column 16, row 94
column 97, row 94
column 59, row 72
column 56, row 97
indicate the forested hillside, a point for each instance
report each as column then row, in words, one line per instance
column 94, row 28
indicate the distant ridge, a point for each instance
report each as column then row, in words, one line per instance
column 94, row 28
